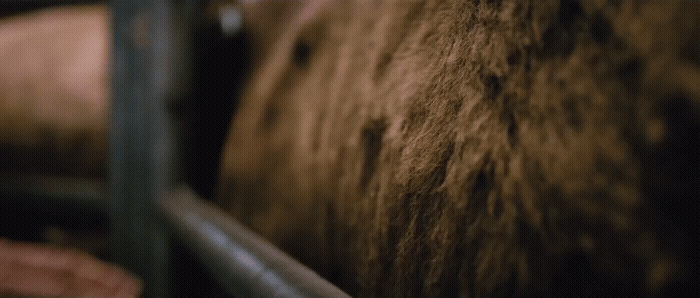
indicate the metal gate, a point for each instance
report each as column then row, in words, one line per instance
column 145, row 198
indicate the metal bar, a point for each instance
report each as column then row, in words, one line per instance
column 29, row 204
column 143, row 163
column 86, row 192
column 242, row 262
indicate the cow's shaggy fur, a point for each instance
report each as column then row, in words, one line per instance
column 477, row 147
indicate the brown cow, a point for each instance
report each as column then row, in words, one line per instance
column 428, row 147
column 54, row 90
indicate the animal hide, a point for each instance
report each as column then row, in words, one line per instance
column 43, row 270
column 54, row 90
column 433, row 148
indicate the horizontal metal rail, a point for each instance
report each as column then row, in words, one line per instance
column 74, row 191
column 242, row 263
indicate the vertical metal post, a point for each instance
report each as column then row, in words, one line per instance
column 143, row 151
